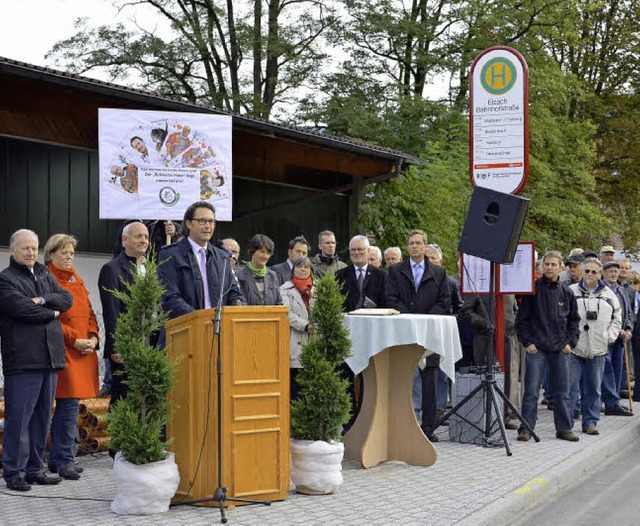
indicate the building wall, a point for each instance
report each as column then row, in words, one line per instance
column 52, row 189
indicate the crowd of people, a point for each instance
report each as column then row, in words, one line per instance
column 569, row 338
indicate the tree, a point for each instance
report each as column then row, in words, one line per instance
column 136, row 422
column 207, row 56
column 323, row 407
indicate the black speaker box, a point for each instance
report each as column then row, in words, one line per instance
column 493, row 225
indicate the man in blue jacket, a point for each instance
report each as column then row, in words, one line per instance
column 33, row 352
column 195, row 272
column 547, row 325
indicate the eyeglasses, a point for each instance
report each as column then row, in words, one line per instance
column 358, row 249
column 587, row 271
column 203, row 222
column 415, row 243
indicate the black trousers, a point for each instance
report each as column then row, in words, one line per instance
column 429, row 377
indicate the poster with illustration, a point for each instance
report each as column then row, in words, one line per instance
column 154, row 164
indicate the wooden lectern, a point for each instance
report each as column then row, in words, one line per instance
column 255, row 405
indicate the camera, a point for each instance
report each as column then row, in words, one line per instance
column 592, row 315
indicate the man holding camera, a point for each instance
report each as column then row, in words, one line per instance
column 600, row 323
column 547, row 327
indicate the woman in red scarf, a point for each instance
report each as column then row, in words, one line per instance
column 297, row 294
column 80, row 377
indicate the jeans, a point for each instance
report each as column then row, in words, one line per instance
column 28, row 398
column 64, row 431
column 558, row 366
column 591, row 370
column 610, row 387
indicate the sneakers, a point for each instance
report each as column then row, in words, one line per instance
column 569, row 436
column 617, row 411
column 524, row 436
column 590, row 431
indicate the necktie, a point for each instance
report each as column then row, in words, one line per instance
column 202, row 263
column 417, row 275
column 360, row 286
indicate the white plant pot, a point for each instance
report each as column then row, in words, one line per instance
column 316, row 466
column 144, row 489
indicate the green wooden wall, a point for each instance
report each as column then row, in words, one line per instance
column 52, row 189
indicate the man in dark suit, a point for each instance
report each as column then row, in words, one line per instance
column 298, row 248
column 419, row 287
column 364, row 284
column 113, row 276
column 194, row 269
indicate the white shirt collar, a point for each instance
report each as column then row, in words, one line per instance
column 195, row 247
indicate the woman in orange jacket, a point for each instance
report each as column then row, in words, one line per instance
column 80, row 377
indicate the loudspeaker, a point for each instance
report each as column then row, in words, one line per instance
column 493, row 225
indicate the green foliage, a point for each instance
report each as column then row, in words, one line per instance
column 324, row 405
column 135, row 423
column 225, row 54
column 432, row 196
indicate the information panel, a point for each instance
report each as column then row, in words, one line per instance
column 499, row 146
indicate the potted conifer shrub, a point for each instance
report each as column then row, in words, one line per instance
column 146, row 474
column 324, row 407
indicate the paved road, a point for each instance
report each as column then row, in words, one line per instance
column 607, row 496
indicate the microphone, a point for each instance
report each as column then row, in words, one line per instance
column 227, row 253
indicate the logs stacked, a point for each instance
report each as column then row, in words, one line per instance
column 92, row 425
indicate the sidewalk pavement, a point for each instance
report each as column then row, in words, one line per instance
column 468, row 485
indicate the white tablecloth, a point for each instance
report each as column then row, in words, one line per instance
column 372, row 334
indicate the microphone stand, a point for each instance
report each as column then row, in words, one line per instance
column 220, row 494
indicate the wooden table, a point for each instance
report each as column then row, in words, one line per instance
column 386, row 427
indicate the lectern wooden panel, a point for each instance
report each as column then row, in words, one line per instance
column 255, row 403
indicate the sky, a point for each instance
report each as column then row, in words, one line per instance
column 30, row 28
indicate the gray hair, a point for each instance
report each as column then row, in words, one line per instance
column 377, row 251
column 395, row 249
column 126, row 231
column 595, row 261
column 364, row 239
column 18, row 233
column 436, row 249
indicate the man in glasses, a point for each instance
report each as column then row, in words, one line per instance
column 547, row 326
column 197, row 272
column 419, row 287
column 600, row 324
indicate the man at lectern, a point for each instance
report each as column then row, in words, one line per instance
column 194, row 271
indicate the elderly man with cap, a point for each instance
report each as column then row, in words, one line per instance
column 614, row 360
column 573, row 272
column 607, row 253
